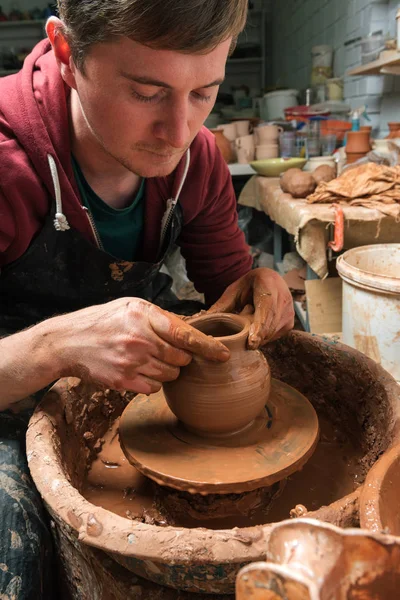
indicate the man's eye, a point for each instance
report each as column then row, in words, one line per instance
column 142, row 98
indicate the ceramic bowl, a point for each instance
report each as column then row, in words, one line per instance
column 274, row 167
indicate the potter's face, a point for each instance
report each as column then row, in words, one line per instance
column 144, row 106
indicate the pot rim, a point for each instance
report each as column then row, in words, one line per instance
column 370, row 497
column 242, row 321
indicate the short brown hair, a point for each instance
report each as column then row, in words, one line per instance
column 188, row 26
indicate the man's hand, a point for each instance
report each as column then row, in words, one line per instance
column 125, row 344
column 129, row 344
column 268, row 293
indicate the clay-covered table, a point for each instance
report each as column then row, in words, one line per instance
column 308, row 222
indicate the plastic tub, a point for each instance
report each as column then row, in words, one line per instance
column 371, row 302
column 273, row 104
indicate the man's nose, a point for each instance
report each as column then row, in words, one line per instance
column 174, row 128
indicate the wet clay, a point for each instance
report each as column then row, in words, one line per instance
column 213, row 398
column 331, row 473
column 283, row 439
column 66, row 431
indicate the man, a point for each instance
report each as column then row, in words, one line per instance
column 104, row 166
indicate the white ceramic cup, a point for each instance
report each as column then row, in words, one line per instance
column 230, row 131
column 267, row 134
column 244, row 156
column 245, row 141
column 242, row 128
column 267, row 151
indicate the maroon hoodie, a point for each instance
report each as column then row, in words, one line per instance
column 34, row 124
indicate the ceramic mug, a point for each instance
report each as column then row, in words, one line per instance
column 267, row 151
column 230, row 131
column 267, row 134
column 245, row 141
column 242, row 128
column 244, row 156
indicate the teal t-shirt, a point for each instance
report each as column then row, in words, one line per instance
column 120, row 230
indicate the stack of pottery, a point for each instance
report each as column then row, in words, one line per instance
column 240, row 140
column 267, row 141
column 358, row 145
column 224, row 145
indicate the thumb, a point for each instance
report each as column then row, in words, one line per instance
column 180, row 334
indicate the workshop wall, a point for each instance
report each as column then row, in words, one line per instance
column 301, row 24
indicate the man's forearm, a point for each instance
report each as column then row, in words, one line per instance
column 28, row 362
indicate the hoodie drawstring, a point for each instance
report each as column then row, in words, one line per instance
column 60, row 220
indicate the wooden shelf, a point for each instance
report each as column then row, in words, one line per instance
column 387, row 64
column 28, row 23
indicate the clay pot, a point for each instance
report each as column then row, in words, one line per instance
column 213, row 398
column 64, row 434
column 394, row 131
column 315, row 561
column 224, row 145
column 358, row 142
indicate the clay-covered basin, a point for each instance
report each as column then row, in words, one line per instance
column 348, row 390
column 213, row 398
column 380, row 498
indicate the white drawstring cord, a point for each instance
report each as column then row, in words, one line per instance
column 60, row 220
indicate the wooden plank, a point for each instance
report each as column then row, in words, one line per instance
column 389, row 59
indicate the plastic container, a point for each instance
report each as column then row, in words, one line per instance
column 371, row 302
column 371, row 47
column 322, row 56
column 274, row 103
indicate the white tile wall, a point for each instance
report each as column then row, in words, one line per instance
column 301, row 24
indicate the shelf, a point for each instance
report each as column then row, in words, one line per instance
column 387, row 64
column 242, row 61
column 238, row 170
column 28, row 23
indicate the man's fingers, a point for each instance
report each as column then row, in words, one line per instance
column 262, row 327
column 160, row 371
column 143, row 385
column 182, row 335
column 226, row 304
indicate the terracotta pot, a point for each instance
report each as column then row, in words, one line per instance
column 67, row 426
column 394, row 130
column 213, row 398
column 224, row 145
column 358, row 141
column 314, row 561
column 352, row 157
column 366, row 128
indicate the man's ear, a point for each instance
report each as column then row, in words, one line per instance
column 62, row 50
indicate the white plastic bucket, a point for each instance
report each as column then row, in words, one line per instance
column 273, row 104
column 371, row 302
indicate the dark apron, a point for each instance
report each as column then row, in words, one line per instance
column 59, row 273
column 62, row 272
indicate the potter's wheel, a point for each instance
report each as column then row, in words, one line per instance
column 278, row 443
